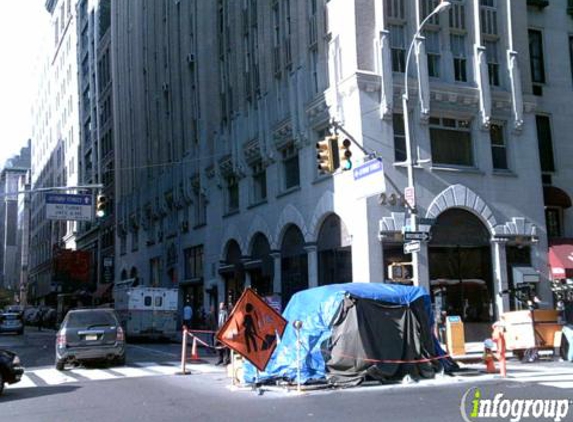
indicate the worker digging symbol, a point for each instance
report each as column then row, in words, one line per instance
column 250, row 327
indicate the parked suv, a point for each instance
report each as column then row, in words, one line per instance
column 90, row 335
column 11, row 322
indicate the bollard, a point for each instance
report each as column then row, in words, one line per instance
column 297, row 326
column 184, row 351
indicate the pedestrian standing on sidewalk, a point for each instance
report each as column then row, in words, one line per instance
column 224, row 352
column 187, row 313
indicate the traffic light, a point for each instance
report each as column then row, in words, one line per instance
column 401, row 271
column 325, row 151
column 345, row 155
column 101, row 206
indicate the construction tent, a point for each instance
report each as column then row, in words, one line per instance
column 355, row 331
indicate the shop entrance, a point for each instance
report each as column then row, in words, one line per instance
column 460, row 269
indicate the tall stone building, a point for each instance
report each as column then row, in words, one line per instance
column 96, row 138
column 55, row 146
column 11, row 177
column 218, row 106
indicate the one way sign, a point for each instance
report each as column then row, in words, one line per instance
column 421, row 236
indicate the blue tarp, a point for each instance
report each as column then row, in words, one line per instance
column 316, row 308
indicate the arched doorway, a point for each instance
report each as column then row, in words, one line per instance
column 461, row 271
column 233, row 272
column 260, row 267
column 294, row 264
column 334, row 252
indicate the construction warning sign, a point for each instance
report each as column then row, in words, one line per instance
column 252, row 329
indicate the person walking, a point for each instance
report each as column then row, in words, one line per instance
column 187, row 313
column 224, row 352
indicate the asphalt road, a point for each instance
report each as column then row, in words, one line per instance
column 149, row 389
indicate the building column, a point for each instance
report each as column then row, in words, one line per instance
column 277, row 279
column 421, row 264
column 311, row 250
column 500, row 282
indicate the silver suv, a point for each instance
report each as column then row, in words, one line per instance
column 90, row 335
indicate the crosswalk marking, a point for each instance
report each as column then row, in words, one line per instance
column 53, row 376
column 93, row 375
column 40, row 377
column 558, row 377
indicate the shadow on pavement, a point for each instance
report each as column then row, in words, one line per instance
column 13, row 394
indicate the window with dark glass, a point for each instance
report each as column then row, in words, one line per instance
column 451, row 142
column 291, row 167
column 399, row 138
column 545, row 143
column 492, row 55
column 458, row 46
column 397, row 47
column 553, row 221
column 498, row 147
column 259, row 183
column 232, row 194
column 536, row 56
column 433, row 53
column 193, row 262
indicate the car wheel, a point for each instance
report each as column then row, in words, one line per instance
column 60, row 364
column 120, row 361
column 1, row 383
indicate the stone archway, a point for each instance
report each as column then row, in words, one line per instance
column 261, row 266
column 460, row 267
column 334, row 252
column 294, row 263
column 232, row 271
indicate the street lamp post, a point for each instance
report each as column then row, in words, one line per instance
column 444, row 5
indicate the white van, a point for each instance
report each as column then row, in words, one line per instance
column 148, row 312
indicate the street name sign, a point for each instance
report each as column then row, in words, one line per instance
column 369, row 179
column 421, row 236
column 412, row 247
column 69, row 207
column 426, row 221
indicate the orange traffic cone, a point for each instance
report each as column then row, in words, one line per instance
column 488, row 357
column 194, row 354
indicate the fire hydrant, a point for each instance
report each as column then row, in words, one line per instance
column 488, row 357
column 498, row 336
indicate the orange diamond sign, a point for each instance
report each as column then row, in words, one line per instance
column 252, row 329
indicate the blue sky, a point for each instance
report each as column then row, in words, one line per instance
column 23, row 23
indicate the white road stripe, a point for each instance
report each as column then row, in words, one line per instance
column 25, row 382
column 94, row 374
column 548, row 378
column 53, row 376
column 163, row 369
column 132, row 372
column 561, row 384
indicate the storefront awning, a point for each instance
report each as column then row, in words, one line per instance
column 555, row 197
column 561, row 259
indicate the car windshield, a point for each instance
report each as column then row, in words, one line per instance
column 90, row 319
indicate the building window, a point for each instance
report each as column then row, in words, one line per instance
column 134, row 240
column 498, row 147
column 200, row 209
column 545, row 143
column 395, row 9
column 259, row 183
column 398, row 47
column 291, row 167
column 399, row 138
column 451, row 142
column 232, row 194
column 194, row 262
column 433, row 53
column 123, row 244
column 492, row 55
column 536, row 56
column 458, row 46
column 553, row 221
column 155, row 272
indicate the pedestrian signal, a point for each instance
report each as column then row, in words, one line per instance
column 345, row 155
column 325, row 154
column 101, row 206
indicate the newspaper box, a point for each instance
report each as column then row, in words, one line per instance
column 455, row 338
